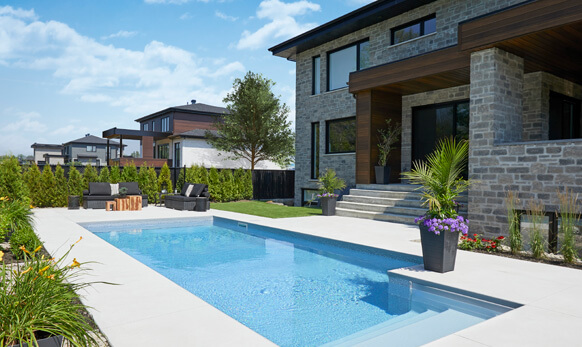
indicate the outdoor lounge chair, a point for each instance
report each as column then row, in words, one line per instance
column 192, row 197
column 99, row 193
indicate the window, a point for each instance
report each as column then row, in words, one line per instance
column 340, row 135
column 91, row 148
column 163, row 151
column 166, row 124
column 343, row 61
column 565, row 117
column 314, row 150
column 414, row 29
column 177, row 156
column 309, row 196
column 316, row 75
column 153, row 125
column 145, row 127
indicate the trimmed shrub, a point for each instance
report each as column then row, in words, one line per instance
column 164, row 180
column 104, row 175
column 12, row 184
column 214, row 186
column 90, row 175
column 202, row 175
column 114, row 174
column 61, row 191
column 227, row 183
column 248, row 185
column 48, row 185
column 142, row 177
column 152, row 186
column 32, row 177
column 181, row 178
column 129, row 173
column 239, row 186
column 75, row 183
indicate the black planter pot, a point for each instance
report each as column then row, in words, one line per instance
column 328, row 206
column 382, row 174
column 53, row 341
column 438, row 251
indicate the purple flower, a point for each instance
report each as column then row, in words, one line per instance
column 435, row 225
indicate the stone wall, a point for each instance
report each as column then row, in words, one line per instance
column 340, row 103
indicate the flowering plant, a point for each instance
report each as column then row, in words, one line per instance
column 479, row 243
column 327, row 195
column 436, row 225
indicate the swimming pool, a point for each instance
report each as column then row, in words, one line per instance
column 295, row 289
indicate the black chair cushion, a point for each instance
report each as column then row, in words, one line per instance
column 132, row 188
column 99, row 188
column 198, row 189
column 184, row 189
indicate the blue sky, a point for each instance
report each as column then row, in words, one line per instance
column 70, row 67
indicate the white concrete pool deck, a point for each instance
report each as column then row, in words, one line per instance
column 146, row 309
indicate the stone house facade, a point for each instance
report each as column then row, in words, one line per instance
column 504, row 74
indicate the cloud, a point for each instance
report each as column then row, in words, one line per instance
column 282, row 23
column 224, row 16
column 121, row 33
column 18, row 13
column 139, row 81
column 23, row 122
column 70, row 130
column 179, row 2
column 185, row 16
column 359, row 2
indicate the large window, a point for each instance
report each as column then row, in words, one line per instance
column 414, row 29
column 314, row 150
column 343, row 61
column 565, row 117
column 316, row 75
column 340, row 135
column 91, row 148
column 153, row 125
column 163, row 151
column 166, row 124
column 145, row 127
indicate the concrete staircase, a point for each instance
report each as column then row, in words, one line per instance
column 399, row 203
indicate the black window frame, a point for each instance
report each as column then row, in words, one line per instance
column 330, row 121
column 315, row 73
column 420, row 21
column 358, row 60
column 315, row 155
column 165, row 124
column 573, row 126
column 177, row 158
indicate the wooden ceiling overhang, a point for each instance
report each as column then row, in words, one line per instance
column 546, row 33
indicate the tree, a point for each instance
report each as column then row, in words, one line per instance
column 12, row 184
column 115, row 174
column 89, row 175
column 152, row 186
column 181, row 179
column 48, row 186
column 104, row 175
column 214, row 186
column 142, row 177
column 164, row 178
column 75, row 184
column 239, row 184
column 256, row 126
column 61, row 190
column 129, row 173
column 248, row 189
column 32, row 179
column 227, row 184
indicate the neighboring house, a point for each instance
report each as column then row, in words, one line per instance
column 504, row 74
column 176, row 135
column 45, row 153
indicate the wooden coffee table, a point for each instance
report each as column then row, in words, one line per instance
column 130, row 203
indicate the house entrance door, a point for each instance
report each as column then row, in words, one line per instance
column 434, row 122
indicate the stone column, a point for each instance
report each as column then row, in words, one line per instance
column 496, row 118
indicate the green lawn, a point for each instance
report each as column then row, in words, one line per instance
column 258, row 208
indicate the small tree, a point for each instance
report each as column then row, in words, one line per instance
column 89, row 175
column 191, row 174
column 387, row 137
column 75, row 183
column 104, row 175
column 115, row 174
column 33, row 183
column 164, row 178
column 61, row 190
column 142, row 177
column 248, row 185
column 214, row 186
column 256, row 126
column 202, row 175
column 227, row 183
column 239, row 184
column 181, row 179
column 12, row 184
column 129, row 173
column 152, row 186
column 49, row 185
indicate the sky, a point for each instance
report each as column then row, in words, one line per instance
column 72, row 67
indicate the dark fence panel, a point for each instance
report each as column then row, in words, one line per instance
column 273, row 184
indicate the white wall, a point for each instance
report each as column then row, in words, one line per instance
column 200, row 152
column 40, row 152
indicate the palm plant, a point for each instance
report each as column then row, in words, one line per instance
column 441, row 177
column 329, row 183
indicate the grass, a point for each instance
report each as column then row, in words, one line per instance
column 262, row 209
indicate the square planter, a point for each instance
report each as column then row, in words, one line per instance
column 438, row 251
column 382, row 174
column 328, row 205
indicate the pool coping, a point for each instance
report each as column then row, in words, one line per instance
column 550, row 315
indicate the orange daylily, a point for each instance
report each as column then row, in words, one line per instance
column 37, row 249
column 75, row 263
column 27, row 270
column 1, row 255
column 22, row 248
column 51, row 277
column 43, row 270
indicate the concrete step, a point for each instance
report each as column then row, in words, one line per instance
column 389, row 187
column 403, row 210
column 386, row 194
column 388, row 217
column 382, row 201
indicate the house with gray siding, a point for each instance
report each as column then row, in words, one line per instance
column 503, row 74
column 91, row 150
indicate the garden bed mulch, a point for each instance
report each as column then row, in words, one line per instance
column 10, row 260
column 550, row 259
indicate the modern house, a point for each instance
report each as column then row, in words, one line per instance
column 85, row 150
column 176, row 135
column 504, row 74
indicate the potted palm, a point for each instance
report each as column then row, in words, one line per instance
column 441, row 180
column 328, row 184
column 387, row 137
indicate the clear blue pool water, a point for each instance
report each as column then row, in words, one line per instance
column 297, row 290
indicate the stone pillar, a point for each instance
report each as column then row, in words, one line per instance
column 496, row 118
